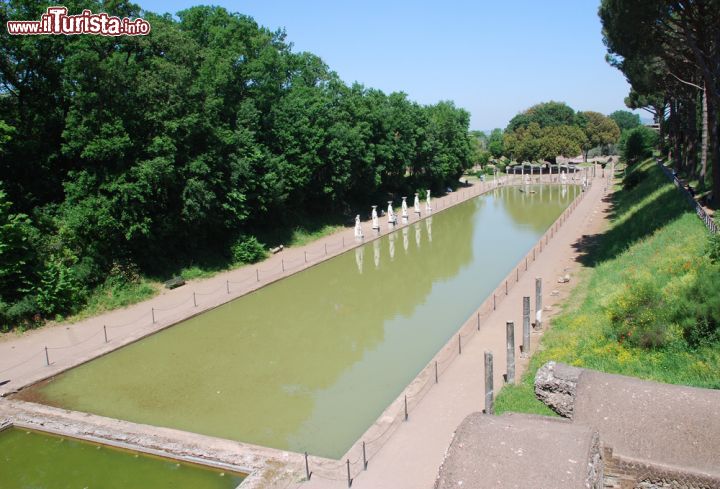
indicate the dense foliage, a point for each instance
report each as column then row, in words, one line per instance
column 136, row 153
column 551, row 129
column 670, row 54
column 637, row 144
column 625, row 120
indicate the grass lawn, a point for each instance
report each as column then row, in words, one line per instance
column 655, row 239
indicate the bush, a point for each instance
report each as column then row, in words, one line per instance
column 23, row 313
column 638, row 315
column 714, row 244
column 247, row 249
column 698, row 311
column 638, row 143
column 60, row 291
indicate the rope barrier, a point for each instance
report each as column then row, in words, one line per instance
column 76, row 344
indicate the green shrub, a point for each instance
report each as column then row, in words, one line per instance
column 698, row 311
column 638, row 143
column 23, row 313
column 59, row 291
column 714, row 244
column 247, row 249
column 638, row 315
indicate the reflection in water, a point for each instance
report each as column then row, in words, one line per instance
column 376, row 253
column 309, row 362
column 359, row 255
column 428, row 228
column 406, row 240
column 391, row 244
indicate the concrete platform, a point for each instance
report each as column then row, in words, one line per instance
column 649, row 430
column 521, row 451
column 666, row 424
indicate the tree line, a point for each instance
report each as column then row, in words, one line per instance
column 120, row 156
column 670, row 54
column 551, row 129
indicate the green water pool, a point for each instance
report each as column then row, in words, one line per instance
column 309, row 362
column 34, row 460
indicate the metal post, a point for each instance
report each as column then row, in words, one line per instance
column 105, row 331
column 459, row 344
column 494, row 303
column 282, row 263
column 406, row 413
column 47, row 357
column 478, row 320
column 526, row 326
column 517, row 275
column 308, row 474
column 227, row 286
column 365, row 461
column 325, row 248
column 488, row 383
column 526, row 263
column 538, row 303
column 506, row 288
column 152, row 311
column 305, row 252
column 257, row 274
column 194, row 300
column 343, row 242
column 436, row 373
column 533, row 254
column 348, row 470
column 510, row 335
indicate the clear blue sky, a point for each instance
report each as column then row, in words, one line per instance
column 494, row 59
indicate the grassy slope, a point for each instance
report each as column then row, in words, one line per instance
column 653, row 233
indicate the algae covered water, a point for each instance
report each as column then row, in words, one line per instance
column 29, row 459
column 309, row 362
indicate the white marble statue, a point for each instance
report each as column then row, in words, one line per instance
column 417, row 204
column 404, row 211
column 428, row 207
column 358, row 228
column 375, row 223
column 392, row 218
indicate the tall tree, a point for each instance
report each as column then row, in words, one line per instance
column 599, row 131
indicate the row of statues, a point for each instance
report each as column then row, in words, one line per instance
column 391, row 216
